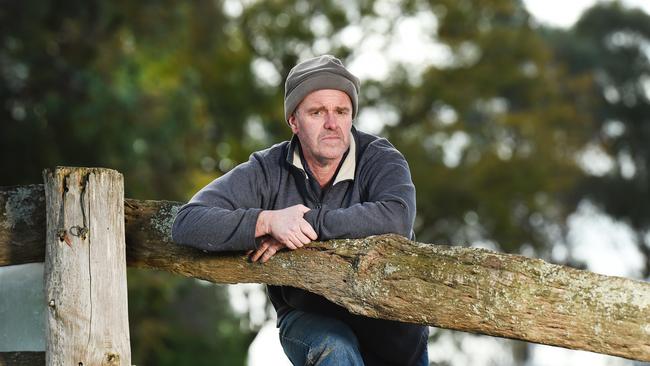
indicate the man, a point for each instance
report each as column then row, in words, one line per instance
column 330, row 181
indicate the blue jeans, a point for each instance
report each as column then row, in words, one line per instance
column 312, row 339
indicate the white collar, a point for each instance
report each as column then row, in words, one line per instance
column 347, row 168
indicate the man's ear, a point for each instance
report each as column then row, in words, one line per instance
column 292, row 123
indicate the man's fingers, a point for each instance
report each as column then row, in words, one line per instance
column 304, row 234
column 268, row 254
column 306, row 229
column 295, row 242
column 264, row 244
column 268, row 247
column 292, row 240
column 257, row 254
column 295, row 238
column 302, row 238
column 287, row 241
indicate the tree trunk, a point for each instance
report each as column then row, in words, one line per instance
column 85, row 268
column 389, row 277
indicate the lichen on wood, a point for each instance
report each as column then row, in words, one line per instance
column 467, row 289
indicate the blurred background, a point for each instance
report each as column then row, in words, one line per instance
column 526, row 125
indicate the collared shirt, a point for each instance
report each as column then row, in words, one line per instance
column 344, row 171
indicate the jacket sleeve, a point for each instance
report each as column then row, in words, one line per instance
column 222, row 215
column 389, row 206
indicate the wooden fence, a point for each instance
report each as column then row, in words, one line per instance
column 79, row 224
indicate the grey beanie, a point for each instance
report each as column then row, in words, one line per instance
column 323, row 72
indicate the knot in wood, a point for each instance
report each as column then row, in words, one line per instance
column 61, row 234
column 112, row 359
column 79, row 231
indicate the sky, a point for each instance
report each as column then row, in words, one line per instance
column 563, row 13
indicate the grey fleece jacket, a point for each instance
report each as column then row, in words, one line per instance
column 375, row 196
column 372, row 194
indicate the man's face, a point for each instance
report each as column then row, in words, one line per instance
column 322, row 122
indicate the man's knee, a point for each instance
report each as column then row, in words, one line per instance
column 312, row 339
column 338, row 346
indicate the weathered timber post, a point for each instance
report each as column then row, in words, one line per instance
column 85, row 268
column 388, row 277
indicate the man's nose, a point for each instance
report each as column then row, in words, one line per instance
column 330, row 120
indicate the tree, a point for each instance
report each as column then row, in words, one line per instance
column 490, row 136
column 175, row 321
column 608, row 47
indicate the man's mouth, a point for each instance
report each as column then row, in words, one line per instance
column 330, row 137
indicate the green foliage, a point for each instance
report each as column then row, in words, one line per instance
column 180, row 321
column 503, row 102
column 609, row 47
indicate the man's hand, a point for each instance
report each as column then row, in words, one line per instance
column 267, row 249
column 286, row 226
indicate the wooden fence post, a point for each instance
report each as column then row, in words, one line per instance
column 85, row 268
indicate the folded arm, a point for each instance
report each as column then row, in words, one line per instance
column 223, row 215
column 226, row 215
column 389, row 205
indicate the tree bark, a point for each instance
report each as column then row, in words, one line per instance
column 85, row 268
column 389, row 277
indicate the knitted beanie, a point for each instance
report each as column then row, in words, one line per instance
column 323, row 72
